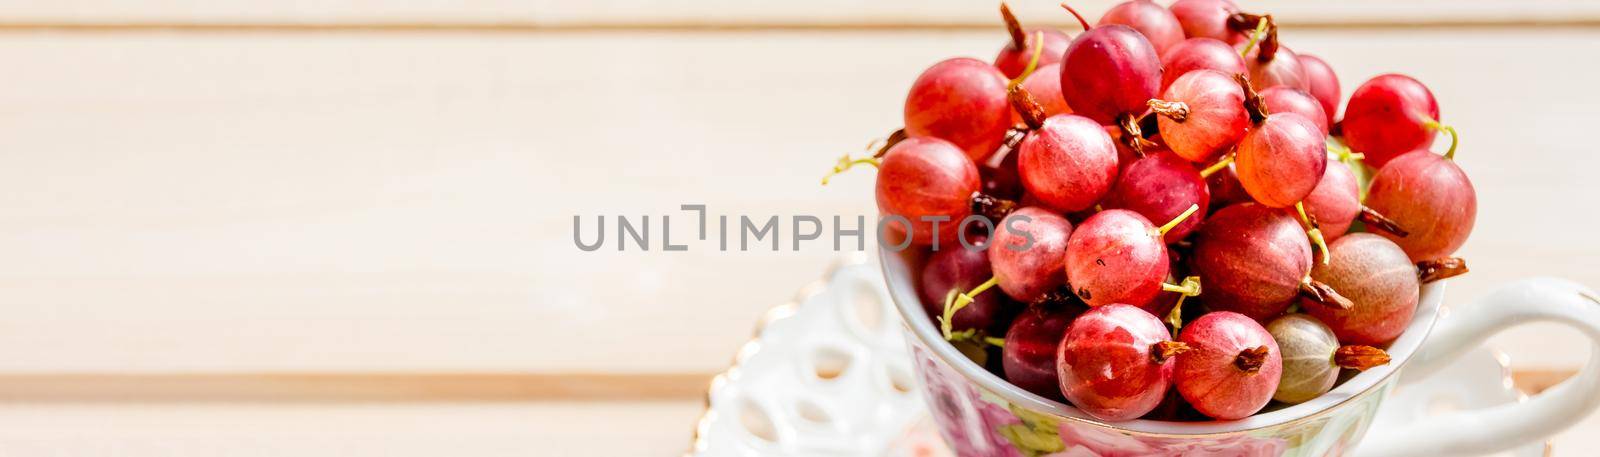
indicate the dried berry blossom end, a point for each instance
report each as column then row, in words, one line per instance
column 1360, row 358
column 1434, row 270
column 1163, row 351
column 1251, row 360
column 1323, row 294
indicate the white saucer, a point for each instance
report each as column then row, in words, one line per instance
column 1479, row 379
column 828, row 374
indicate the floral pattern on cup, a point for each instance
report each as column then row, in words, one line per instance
column 976, row 422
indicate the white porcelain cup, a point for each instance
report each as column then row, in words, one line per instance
column 980, row 414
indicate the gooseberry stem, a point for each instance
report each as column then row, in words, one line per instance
column 1255, row 37
column 845, row 163
column 1314, row 232
column 1454, row 138
column 1033, row 62
column 1075, row 14
column 1175, row 317
column 1343, row 153
column 1160, row 231
column 956, row 300
column 1189, row 288
column 1216, row 167
column 949, row 313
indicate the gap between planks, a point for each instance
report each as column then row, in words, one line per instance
column 407, row 387
column 351, row 387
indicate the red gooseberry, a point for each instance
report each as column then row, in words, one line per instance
column 1155, row 22
column 1381, row 284
column 1223, row 183
column 1114, row 362
column 1282, row 157
column 963, row 101
column 1067, row 161
column 1118, row 256
column 1430, row 197
column 1027, row 251
column 924, row 180
column 1202, row 115
column 1390, row 115
column 1109, row 72
column 1231, row 368
column 1336, row 201
column 1160, row 187
column 1255, row 260
column 1199, row 54
column 1207, row 19
column 1029, row 354
column 1284, row 99
column 1324, row 84
column 956, row 269
column 1278, row 68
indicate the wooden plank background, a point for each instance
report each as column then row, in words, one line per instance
column 329, row 202
column 741, row 14
column 204, row 195
column 645, row 428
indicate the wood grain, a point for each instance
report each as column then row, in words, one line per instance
column 333, row 388
column 616, row 14
column 398, row 203
column 344, row 227
column 349, row 429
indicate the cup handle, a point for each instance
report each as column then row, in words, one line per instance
column 1505, row 426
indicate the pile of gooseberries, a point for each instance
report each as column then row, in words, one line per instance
column 1170, row 201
